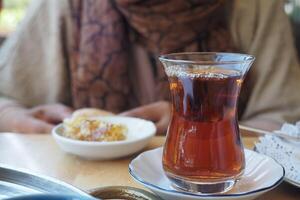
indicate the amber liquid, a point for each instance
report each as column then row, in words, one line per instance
column 203, row 142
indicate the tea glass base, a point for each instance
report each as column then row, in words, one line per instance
column 192, row 186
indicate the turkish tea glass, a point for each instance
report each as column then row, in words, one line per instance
column 203, row 152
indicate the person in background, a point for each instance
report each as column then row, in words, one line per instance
column 70, row 54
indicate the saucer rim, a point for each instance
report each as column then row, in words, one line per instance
column 244, row 194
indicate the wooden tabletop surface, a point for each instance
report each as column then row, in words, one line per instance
column 40, row 154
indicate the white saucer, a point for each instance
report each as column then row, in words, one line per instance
column 262, row 174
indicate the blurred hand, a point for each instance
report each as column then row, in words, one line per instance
column 158, row 112
column 39, row 119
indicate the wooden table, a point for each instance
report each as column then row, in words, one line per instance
column 40, row 154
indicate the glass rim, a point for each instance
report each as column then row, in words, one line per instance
column 168, row 58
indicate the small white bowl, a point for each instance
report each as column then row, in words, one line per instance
column 139, row 134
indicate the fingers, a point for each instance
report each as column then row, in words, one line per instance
column 152, row 111
column 158, row 112
column 41, row 119
column 53, row 114
column 36, row 120
column 145, row 112
column 28, row 124
column 38, row 126
column 162, row 125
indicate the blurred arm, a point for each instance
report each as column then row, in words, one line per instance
column 32, row 62
column 261, row 28
column 33, row 67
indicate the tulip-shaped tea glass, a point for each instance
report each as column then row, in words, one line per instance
column 203, row 152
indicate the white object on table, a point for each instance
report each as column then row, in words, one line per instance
column 262, row 174
column 139, row 134
column 285, row 152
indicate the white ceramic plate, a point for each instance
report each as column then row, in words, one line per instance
column 262, row 174
column 139, row 133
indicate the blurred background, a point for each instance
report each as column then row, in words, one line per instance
column 12, row 12
column 292, row 9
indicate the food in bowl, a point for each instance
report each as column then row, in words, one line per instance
column 138, row 134
column 93, row 129
column 90, row 112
